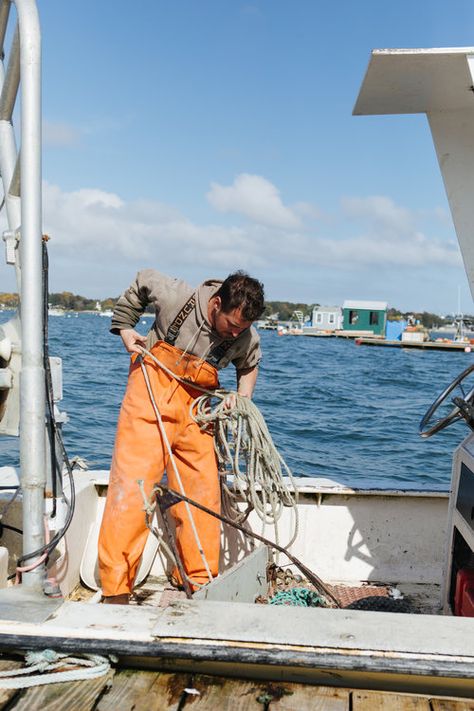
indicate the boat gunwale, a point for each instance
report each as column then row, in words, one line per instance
column 328, row 660
column 305, row 485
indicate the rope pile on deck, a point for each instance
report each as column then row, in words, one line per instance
column 299, row 597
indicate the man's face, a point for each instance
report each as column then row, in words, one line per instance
column 231, row 324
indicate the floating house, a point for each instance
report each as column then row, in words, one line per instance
column 327, row 318
column 366, row 316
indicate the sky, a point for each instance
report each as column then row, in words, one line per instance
column 203, row 136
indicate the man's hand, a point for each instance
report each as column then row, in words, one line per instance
column 132, row 340
column 246, row 380
column 230, row 401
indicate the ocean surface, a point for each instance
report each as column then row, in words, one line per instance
column 349, row 413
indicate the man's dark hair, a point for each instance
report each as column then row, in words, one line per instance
column 240, row 290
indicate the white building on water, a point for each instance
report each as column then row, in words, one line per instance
column 327, row 318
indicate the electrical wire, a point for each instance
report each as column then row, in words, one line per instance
column 55, row 437
column 9, row 528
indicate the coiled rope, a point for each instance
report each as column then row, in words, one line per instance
column 244, row 449
column 48, row 660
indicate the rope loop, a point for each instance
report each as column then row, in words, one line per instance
column 42, row 660
column 246, row 451
column 93, row 666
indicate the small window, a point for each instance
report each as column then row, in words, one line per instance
column 353, row 317
column 331, row 318
column 374, row 318
column 319, row 318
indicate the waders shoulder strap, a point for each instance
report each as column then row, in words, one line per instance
column 218, row 352
column 215, row 355
column 174, row 328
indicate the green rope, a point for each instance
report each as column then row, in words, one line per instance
column 301, row 597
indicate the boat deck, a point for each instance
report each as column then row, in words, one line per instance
column 142, row 690
column 412, row 598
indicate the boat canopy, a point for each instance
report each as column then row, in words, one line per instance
column 439, row 83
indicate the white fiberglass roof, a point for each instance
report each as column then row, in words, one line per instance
column 373, row 305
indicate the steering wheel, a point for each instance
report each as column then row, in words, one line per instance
column 463, row 407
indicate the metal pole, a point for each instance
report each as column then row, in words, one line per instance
column 8, row 151
column 12, row 80
column 32, row 388
column 4, row 13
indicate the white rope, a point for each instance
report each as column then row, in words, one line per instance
column 48, row 660
column 245, row 449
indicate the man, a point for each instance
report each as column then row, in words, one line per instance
column 195, row 334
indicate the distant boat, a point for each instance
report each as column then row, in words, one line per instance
column 53, row 311
column 108, row 313
column 266, row 325
column 461, row 327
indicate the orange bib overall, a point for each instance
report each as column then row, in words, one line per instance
column 140, row 453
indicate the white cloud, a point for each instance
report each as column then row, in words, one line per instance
column 391, row 234
column 91, row 227
column 381, row 211
column 442, row 214
column 254, row 197
column 307, row 210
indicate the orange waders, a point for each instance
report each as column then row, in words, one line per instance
column 140, row 453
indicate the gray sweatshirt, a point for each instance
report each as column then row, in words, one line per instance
column 167, row 296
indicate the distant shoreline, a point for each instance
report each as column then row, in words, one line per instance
column 93, row 312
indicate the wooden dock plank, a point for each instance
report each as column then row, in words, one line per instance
column 240, row 695
column 299, row 697
column 6, row 695
column 144, row 691
column 224, row 694
column 74, row 695
column 139, row 690
column 383, row 701
column 452, row 705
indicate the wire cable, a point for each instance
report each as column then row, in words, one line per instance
column 55, row 438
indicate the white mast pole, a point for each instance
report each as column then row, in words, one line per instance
column 32, row 385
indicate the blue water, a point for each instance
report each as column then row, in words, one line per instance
column 334, row 409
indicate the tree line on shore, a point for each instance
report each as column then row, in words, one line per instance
column 64, row 300
column 281, row 310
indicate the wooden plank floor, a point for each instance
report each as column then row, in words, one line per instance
column 134, row 690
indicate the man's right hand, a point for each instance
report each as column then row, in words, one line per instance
column 132, row 340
